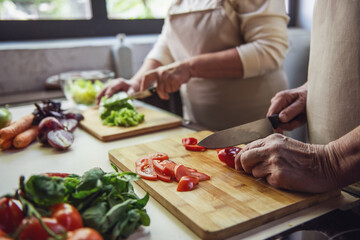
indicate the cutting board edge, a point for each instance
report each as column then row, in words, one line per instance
column 149, row 129
column 231, row 230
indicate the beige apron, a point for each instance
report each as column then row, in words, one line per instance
column 333, row 104
column 217, row 103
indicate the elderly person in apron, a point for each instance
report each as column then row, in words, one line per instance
column 225, row 57
column 330, row 100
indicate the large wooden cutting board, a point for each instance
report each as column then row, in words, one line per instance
column 154, row 120
column 228, row 204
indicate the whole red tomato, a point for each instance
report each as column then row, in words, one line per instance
column 227, row 155
column 67, row 215
column 32, row 229
column 10, row 214
column 84, row 234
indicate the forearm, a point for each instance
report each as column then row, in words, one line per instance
column 223, row 64
column 345, row 154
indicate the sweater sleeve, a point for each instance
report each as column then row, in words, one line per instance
column 160, row 50
column 264, row 30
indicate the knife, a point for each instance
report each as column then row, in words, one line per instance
column 242, row 134
column 143, row 94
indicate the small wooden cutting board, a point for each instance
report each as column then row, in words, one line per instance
column 154, row 120
column 227, row 204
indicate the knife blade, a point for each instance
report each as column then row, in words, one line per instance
column 242, row 134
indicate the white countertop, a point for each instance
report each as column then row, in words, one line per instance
column 88, row 152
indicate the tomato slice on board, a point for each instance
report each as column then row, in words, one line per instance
column 159, row 156
column 164, row 166
column 189, row 141
column 146, row 170
column 163, row 177
column 180, row 171
column 142, row 160
column 201, row 176
column 227, row 155
column 187, row 183
column 195, row 148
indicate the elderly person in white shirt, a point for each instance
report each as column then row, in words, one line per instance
column 225, row 57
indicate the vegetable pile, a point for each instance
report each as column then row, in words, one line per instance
column 95, row 205
column 158, row 166
column 117, row 111
column 83, row 91
column 49, row 124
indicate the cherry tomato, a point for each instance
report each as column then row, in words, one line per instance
column 10, row 214
column 189, row 141
column 187, row 183
column 84, row 234
column 227, row 155
column 146, row 170
column 181, row 170
column 62, row 175
column 160, row 166
column 32, row 229
column 159, row 156
column 195, row 148
column 67, row 215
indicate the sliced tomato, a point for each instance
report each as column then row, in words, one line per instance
column 180, row 171
column 201, row 176
column 146, row 170
column 227, row 155
column 163, row 177
column 169, row 168
column 195, row 148
column 189, row 141
column 162, row 165
column 142, row 160
column 159, row 156
column 187, row 183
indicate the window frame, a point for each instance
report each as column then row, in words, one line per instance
column 99, row 25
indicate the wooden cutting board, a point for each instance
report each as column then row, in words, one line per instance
column 228, row 204
column 154, row 120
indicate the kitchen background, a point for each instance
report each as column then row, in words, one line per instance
column 28, row 57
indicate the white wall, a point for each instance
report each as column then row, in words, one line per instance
column 305, row 14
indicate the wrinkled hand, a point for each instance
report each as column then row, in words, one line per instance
column 116, row 85
column 168, row 78
column 289, row 164
column 291, row 106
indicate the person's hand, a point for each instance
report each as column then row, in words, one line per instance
column 290, row 164
column 291, row 106
column 115, row 86
column 168, row 78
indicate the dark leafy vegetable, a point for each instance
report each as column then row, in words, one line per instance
column 106, row 201
column 53, row 109
column 116, row 111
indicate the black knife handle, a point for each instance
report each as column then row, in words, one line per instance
column 274, row 119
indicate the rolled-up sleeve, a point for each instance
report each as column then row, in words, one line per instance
column 160, row 50
column 264, row 31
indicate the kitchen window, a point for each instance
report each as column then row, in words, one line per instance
column 52, row 19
